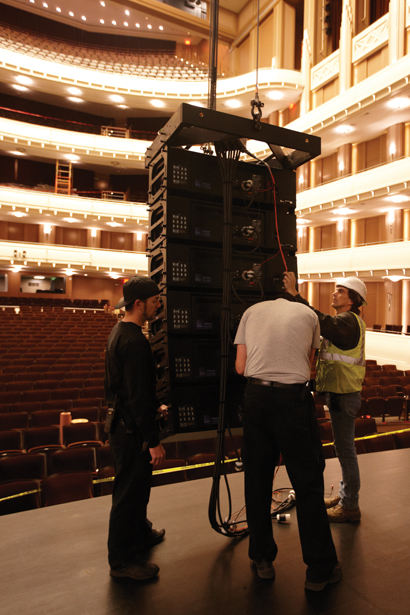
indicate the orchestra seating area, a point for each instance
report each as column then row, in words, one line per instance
column 150, row 65
column 52, row 363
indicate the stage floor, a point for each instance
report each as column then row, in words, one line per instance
column 54, row 560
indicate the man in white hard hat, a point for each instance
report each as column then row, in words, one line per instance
column 340, row 373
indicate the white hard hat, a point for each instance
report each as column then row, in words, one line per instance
column 354, row 284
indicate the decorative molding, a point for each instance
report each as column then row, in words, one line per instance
column 77, row 257
column 371, row 39
column 325, row 71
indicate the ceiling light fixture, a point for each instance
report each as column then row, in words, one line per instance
column 24, row 80
column 344, row 130
column 276, row 95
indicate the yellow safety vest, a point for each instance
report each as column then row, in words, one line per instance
column 341, row 371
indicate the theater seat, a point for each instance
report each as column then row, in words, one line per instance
column 68, row 487
column 29, row 501
column 381, row 443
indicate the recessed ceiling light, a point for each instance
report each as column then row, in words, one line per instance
column 114, row 224
column 71, row 220
column 24, row 80
column 45, row 5
column 125, row 23
column 123, row 107
column 71, row 14
column 127, row 12
column 102, row 3
column 149, row 27
column 398, row 198
column 102, row 21
column 233, row 104
column 20, row 88
column 275, row 95
column 75, row 99
column 39, row 277
column 399, row 103
column 83, row 17
column 72, row 157
column 343, row 211
column 157, row 102
column 58, row 9
column 161, row 27
column 302, row 221
column 17, row 153
column 344, row 130
column 18, row 214
column 116, row 98
column 74, row 91
column 114, row 23
column 137, row 25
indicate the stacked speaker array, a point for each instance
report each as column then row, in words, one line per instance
column 185, row 260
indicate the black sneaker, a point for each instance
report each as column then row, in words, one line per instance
column 264, row 568
column 153, row 539
column 140, row 571
column 318, row 586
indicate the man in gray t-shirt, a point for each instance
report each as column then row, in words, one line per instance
column 275, row 344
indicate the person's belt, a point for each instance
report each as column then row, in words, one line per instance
column 272, row 383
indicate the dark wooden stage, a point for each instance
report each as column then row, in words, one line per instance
column 54, row 560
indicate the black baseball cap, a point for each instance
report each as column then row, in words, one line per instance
column 139, row 287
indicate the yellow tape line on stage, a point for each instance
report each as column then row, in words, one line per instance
column 19, row 495
column 169, row 470
column 372, row 436
column 197, row 465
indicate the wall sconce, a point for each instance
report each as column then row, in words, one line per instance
column 94, row 232
column 340, row 226
column 47, row 229
column 391, row 218
column 392, row 150
column 139, row 236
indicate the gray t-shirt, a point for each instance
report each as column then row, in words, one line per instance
column 279, row 336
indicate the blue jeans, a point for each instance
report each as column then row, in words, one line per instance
column 343, row 422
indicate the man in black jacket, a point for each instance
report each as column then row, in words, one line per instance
column 130, row 380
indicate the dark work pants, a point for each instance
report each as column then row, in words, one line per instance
column 129, row 526
column 277, row 420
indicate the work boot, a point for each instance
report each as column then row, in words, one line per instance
column 330, row 502
column 338, row 514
